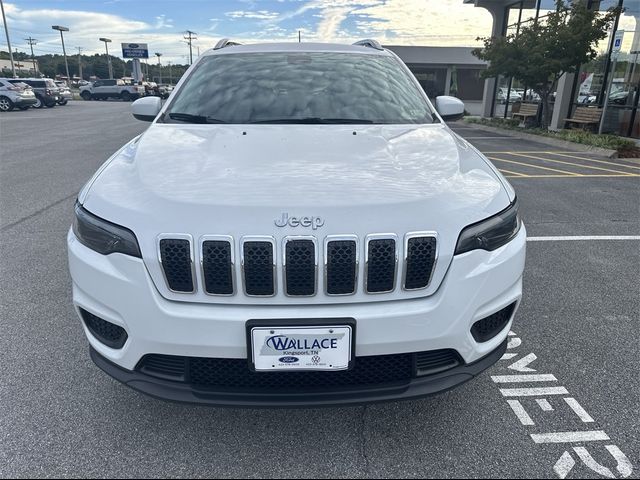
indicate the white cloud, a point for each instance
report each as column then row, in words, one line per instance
column 253, row 14
column 163, row 22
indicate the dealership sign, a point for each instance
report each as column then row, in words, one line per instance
column 135, row 50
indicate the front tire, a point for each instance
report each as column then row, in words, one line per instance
column 38, row 103
column 6, row 105
column 63, row 102
column 86, row 95
column 125, row 96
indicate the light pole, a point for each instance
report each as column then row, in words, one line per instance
column 6, row 30
column 64, row 52
column 106, row 41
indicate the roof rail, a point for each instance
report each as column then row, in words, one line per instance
column 370, row 43
column 225, row 42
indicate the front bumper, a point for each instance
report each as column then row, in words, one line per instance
column 118, row 289
column 185, row 393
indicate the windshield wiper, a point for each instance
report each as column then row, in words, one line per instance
column 190, row 118
column 315, row 120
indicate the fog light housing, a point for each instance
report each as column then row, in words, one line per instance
column 487, row 328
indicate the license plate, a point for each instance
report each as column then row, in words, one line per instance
column 301, row 347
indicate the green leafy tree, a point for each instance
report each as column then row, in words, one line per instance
column 544, row 50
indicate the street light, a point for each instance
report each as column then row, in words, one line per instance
column 106, row 41
column 159, row 67
column 64, row 52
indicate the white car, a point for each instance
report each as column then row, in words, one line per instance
column 297, row 227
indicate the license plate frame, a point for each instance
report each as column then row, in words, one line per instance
column 301, row 324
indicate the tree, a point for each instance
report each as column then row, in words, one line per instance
column 547, row 48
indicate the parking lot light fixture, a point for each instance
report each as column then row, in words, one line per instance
column 106, row 42
column 64, row 52
column 159, row 67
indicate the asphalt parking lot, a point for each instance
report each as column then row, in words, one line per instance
column 576, row 337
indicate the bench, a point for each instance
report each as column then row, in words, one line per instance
column 527, row 110
column 585, row 117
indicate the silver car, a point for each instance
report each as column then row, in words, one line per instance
column 65, row 92
column 15, row 95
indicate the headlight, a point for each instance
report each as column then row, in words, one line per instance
column 102, row 236
column 491, row 233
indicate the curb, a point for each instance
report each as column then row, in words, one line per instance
column 546, row 140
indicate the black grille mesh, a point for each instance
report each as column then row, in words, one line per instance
column 341, row 267
column 232, row 374
column 300, row 267
column 258, row 268
column 111, row 335
column 381, row 265
column 489, row 327
column 216, row 265
column 421, row 256
column 176, row 261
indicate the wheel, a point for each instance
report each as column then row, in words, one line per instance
column 126, row 96
column 86, row 95
column 38, row 103
column 6, row 105
column 63, row 102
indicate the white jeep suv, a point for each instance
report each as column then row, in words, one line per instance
column 297, row 227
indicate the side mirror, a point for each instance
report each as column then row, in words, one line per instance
column 146, row 108
column 449, row 108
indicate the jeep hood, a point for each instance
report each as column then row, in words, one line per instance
column 238, row 179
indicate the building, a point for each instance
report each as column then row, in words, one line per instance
column 23, row 66
column 446, row 71
column 590, row 85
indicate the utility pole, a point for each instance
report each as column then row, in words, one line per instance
column 190, row 36
column 6, row 30
column 32, row 42
column 64, row 52
column 159, row 67
column 170, row 77
column 79, row 63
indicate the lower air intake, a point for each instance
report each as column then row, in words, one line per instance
column 107, row 333
column 487, row 328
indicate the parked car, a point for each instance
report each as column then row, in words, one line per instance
column 151, row 89
column 45, row 89
column 165, row 90
column 325, row 240
column 15, row 95
column 65, row 92
column 513, row 95
column 103, row 89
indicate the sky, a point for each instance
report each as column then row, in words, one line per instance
column 161, row 23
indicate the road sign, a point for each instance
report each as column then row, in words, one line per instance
column 135, row 50
column 617, row 43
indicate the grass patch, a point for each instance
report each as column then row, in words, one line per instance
column 624, row 147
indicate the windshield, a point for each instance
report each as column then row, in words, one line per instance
column 299, row 88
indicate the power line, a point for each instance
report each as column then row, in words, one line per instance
column 190, row 37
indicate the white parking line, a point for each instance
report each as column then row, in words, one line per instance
column 544, row 377
column 569, row 437
column 583, row 238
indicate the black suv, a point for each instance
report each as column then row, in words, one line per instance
column 46, row 90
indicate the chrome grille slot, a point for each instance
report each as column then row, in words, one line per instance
column 300, row 264
column 341, row 270
column 420, row 258
column 218, row 265
column 258, row 267
column 381, row 263
column 177, row 264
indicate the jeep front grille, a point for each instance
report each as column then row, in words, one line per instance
column 297, row 260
